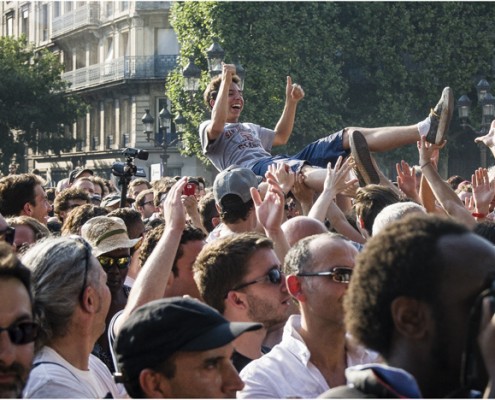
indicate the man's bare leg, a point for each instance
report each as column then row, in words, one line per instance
column 384, row 138
column 489, row 139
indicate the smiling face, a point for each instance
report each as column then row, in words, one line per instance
column 235, row 103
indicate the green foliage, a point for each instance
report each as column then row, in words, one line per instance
column 33, row 102
column 360, row 63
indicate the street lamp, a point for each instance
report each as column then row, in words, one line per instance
column 148, row 122
column 487, row 103
column 215, row 55
column 192, row 76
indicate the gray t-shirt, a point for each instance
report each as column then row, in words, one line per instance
column 242, row 144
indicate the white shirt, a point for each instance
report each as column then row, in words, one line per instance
column 57, row 378
column 286, row 372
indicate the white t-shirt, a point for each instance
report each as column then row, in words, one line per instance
column 53, row 377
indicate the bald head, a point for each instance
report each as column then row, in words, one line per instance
column 300, row 227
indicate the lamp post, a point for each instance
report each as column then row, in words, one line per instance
column 165, row 120
column 215, row 56
column 487, row 103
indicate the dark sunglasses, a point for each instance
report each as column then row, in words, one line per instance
column 22, row 332
column 274, row 275
column 8, row 234
column 107, row 262
column 338, row 274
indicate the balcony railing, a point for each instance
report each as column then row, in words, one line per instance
column 87, row 15
column 121, row 68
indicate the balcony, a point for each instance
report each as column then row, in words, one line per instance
column 151, row 67
column 82, row 17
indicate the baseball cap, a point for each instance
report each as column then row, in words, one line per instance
column 235, row 180
column 77, row 172
column 106, row 234
column 160, row 328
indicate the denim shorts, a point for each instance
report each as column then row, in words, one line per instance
column 317, row 154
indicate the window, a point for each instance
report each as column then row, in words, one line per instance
column 56, row 9
column 25, row 22
column 10, row 24
column 44, row 22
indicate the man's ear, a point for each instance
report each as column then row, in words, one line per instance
column 27, row 209
column 412, row 317
column 154, row 385
column 294, row 287
column 236, row 300
column 215, row 221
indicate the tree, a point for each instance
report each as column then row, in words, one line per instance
column 361, row 64
column 33, row 101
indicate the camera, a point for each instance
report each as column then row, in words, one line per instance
column 189, row 189
column 124, row 169
column 136, row 153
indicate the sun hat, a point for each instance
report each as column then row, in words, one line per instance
column 106, row 234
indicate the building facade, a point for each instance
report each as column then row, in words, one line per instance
column 116, row 56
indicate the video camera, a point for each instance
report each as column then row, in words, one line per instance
column 128, row 169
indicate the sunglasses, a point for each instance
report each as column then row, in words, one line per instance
column 274, row 275
column 22, row 332
column 8, row 234
column 338, row 274
column 107, row 262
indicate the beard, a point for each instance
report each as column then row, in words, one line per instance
column 267, row 312
column 13, row 389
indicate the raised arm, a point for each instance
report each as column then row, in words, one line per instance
column 220, row 110
column 448, row 199
column 283, row 129
column 152, row 280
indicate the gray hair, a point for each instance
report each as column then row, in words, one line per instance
column 393, row 212
column 299, row 257
column 58, row 266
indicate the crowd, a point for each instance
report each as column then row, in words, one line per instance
column 290, row 276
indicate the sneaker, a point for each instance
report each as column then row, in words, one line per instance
column 440, row 117
column 363, row 164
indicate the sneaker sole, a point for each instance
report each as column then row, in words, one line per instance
column 364, row 168
column 447, row 100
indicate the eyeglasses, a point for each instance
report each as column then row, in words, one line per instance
column 147, row 202
column 22, row 332
column 274, row 275
column 8, row 234
column 87, row 253
column 107, row 262
column 338, row 274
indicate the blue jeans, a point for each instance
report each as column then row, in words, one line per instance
column 318, row 154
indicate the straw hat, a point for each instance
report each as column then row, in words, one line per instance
column 106, row 234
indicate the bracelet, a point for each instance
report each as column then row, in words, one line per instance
column 478, row 215
column 424, row 165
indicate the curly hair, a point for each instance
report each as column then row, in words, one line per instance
column 61, row 202
column 211, row 90
column 223, row 263
column 395, row 263
column 79, row 216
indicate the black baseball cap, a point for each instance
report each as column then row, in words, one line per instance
column 157, row 330
column 77, row 172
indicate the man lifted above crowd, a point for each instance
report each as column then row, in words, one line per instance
column 226, row 141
